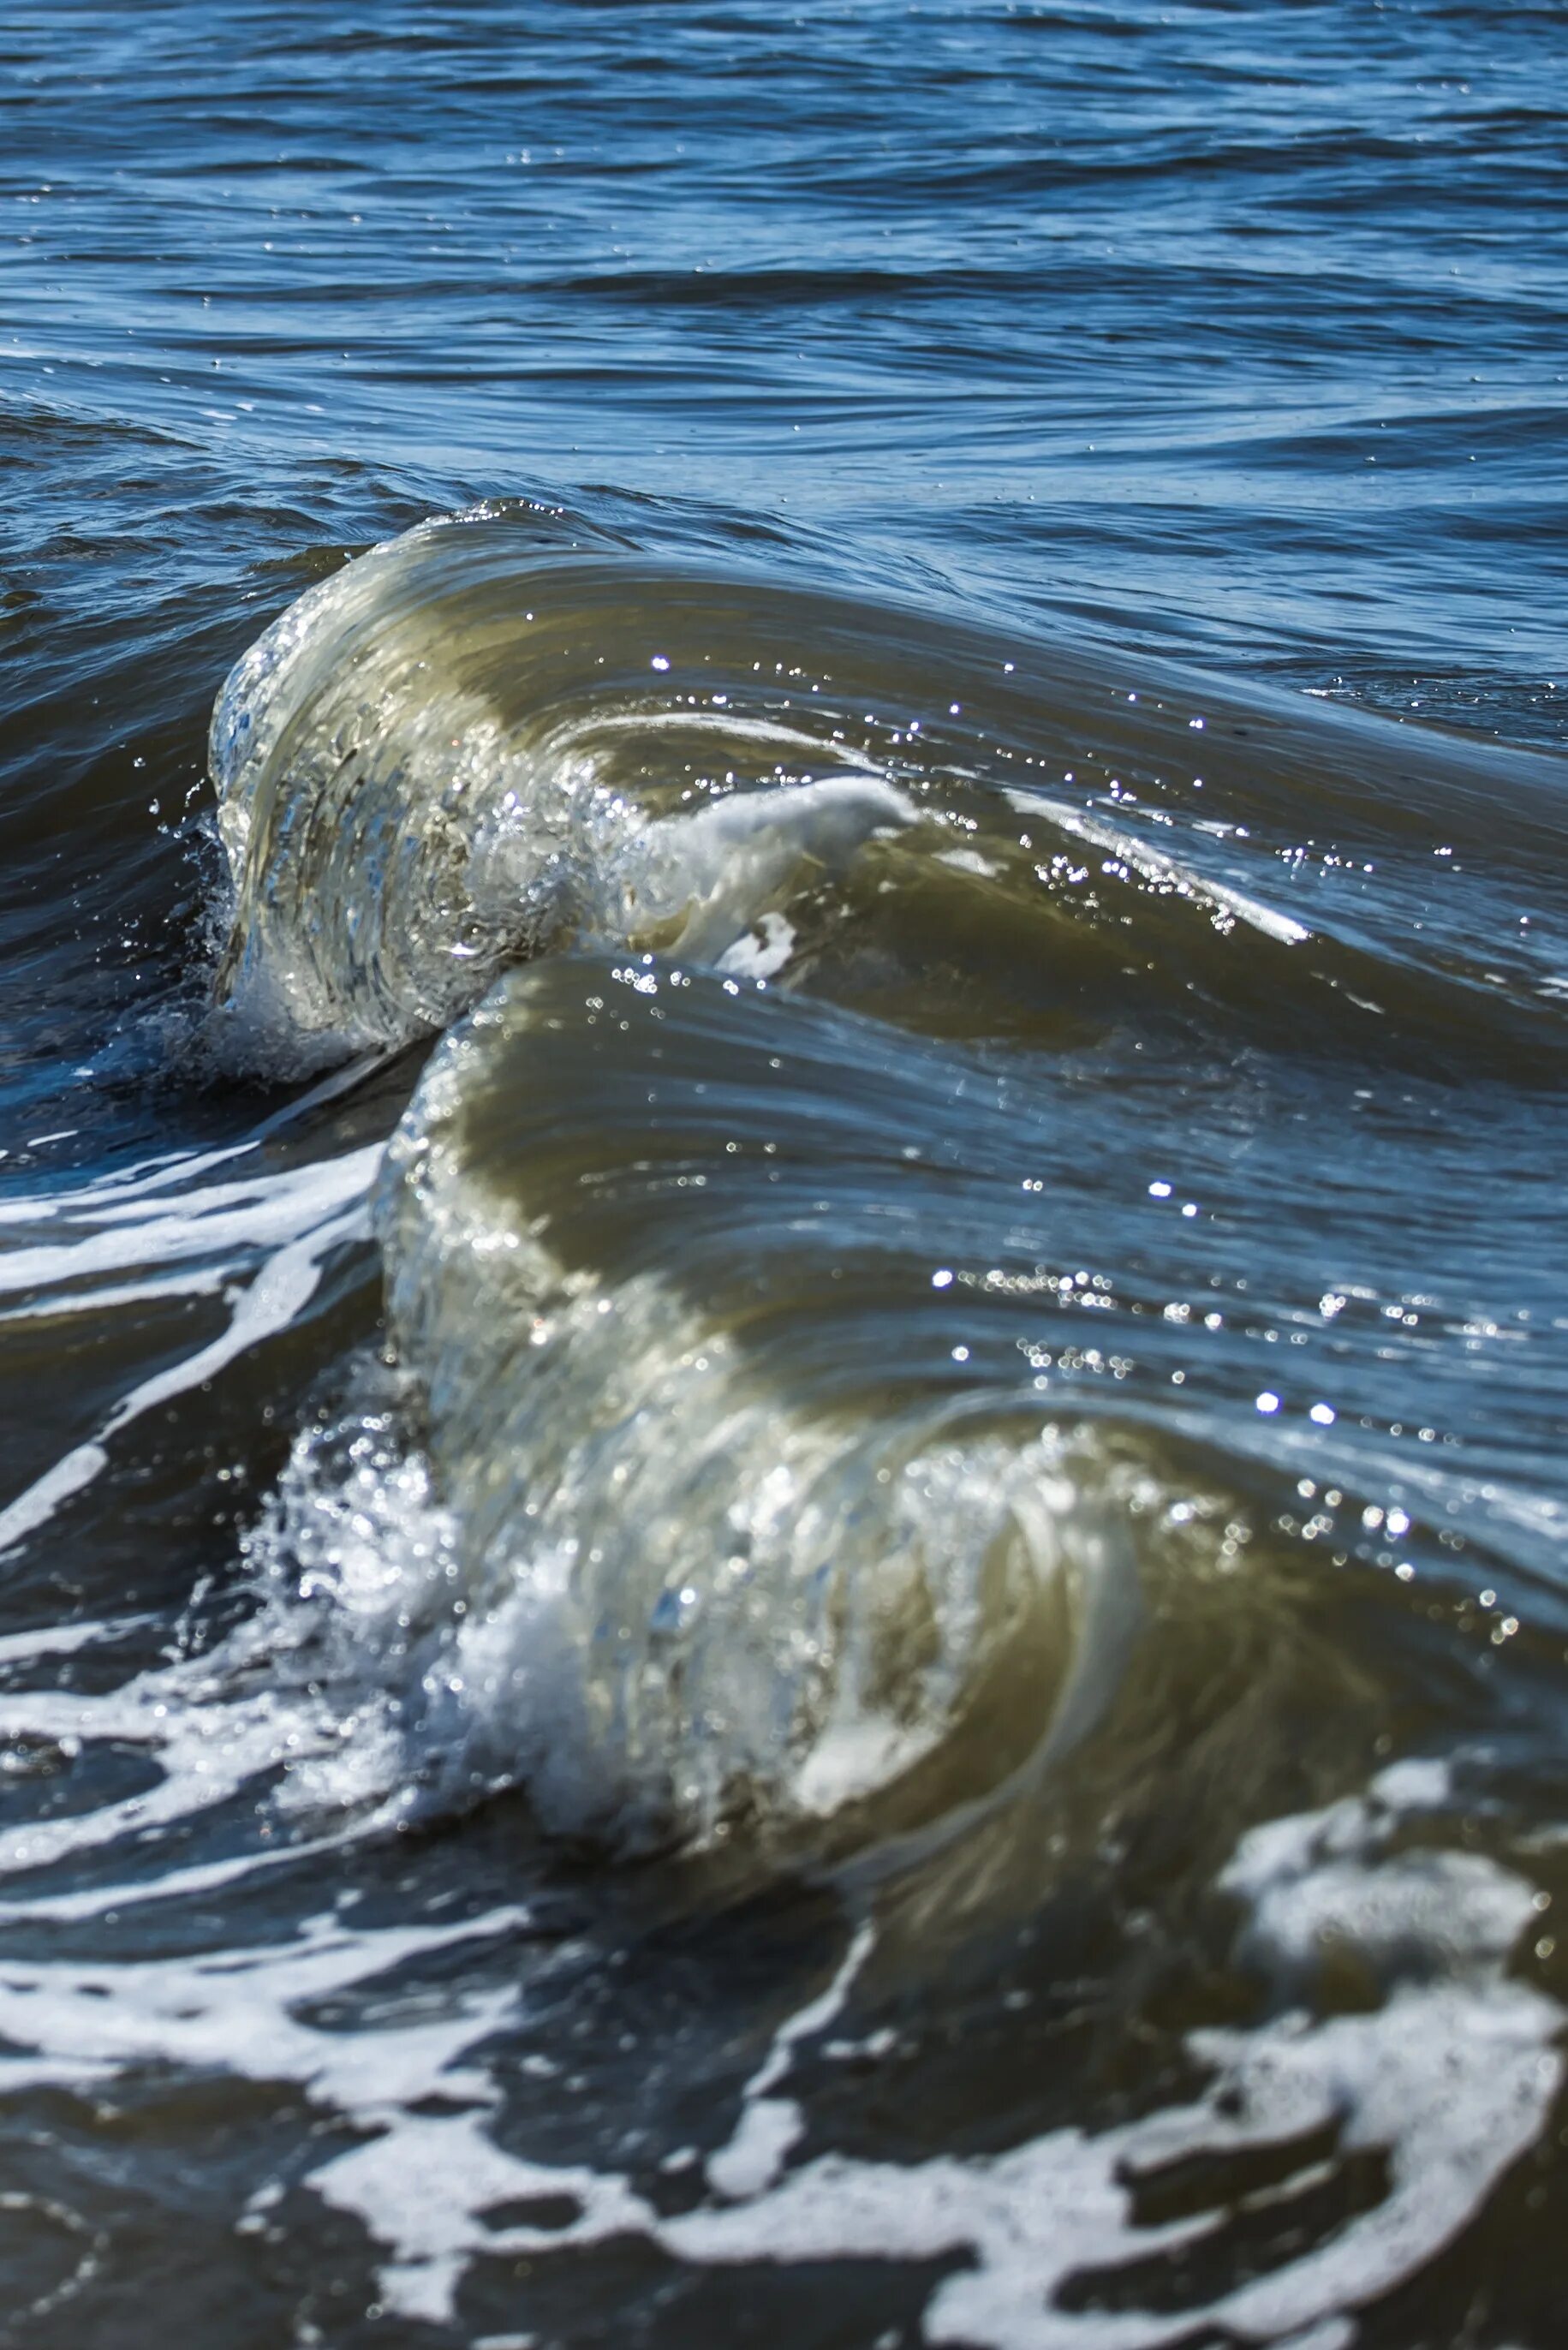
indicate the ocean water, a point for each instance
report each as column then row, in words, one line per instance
column 783, row 1079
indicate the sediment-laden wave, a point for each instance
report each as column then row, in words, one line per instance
column 459, row 751
column 740, row 1315
column 805, row 1320
column 967, row 1335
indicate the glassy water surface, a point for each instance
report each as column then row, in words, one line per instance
column 781, row 1312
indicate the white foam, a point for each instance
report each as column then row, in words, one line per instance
column 421, row 2187
column 238, row 2012
column 146, row 1176
column 284, row 1284
column 299, row 1215
column 64, row 1639
column 769, row 2126
column 34, row 1507
column 715, row 869
column 200, row 1281
column 764, row 952
column 1451, row 2078
column 1028, row 2220
column 1051, row 2210
column 260, row 1212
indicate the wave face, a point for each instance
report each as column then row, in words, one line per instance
column 739, row 1546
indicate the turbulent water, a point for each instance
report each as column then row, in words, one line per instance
column 783, row 1083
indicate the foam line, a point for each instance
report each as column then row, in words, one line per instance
column 202, row 1877
column 283, row 1286
column 249, row 1215
column 147, row 1176
column 1027, row 2219
column 201, row 1281
column 136, row 1181
column 279, row 1290
column 770, row 2127
column 65, row 1639
column 236, row 2011
column 43, row 1496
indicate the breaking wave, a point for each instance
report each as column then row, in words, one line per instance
column 939, row 1355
